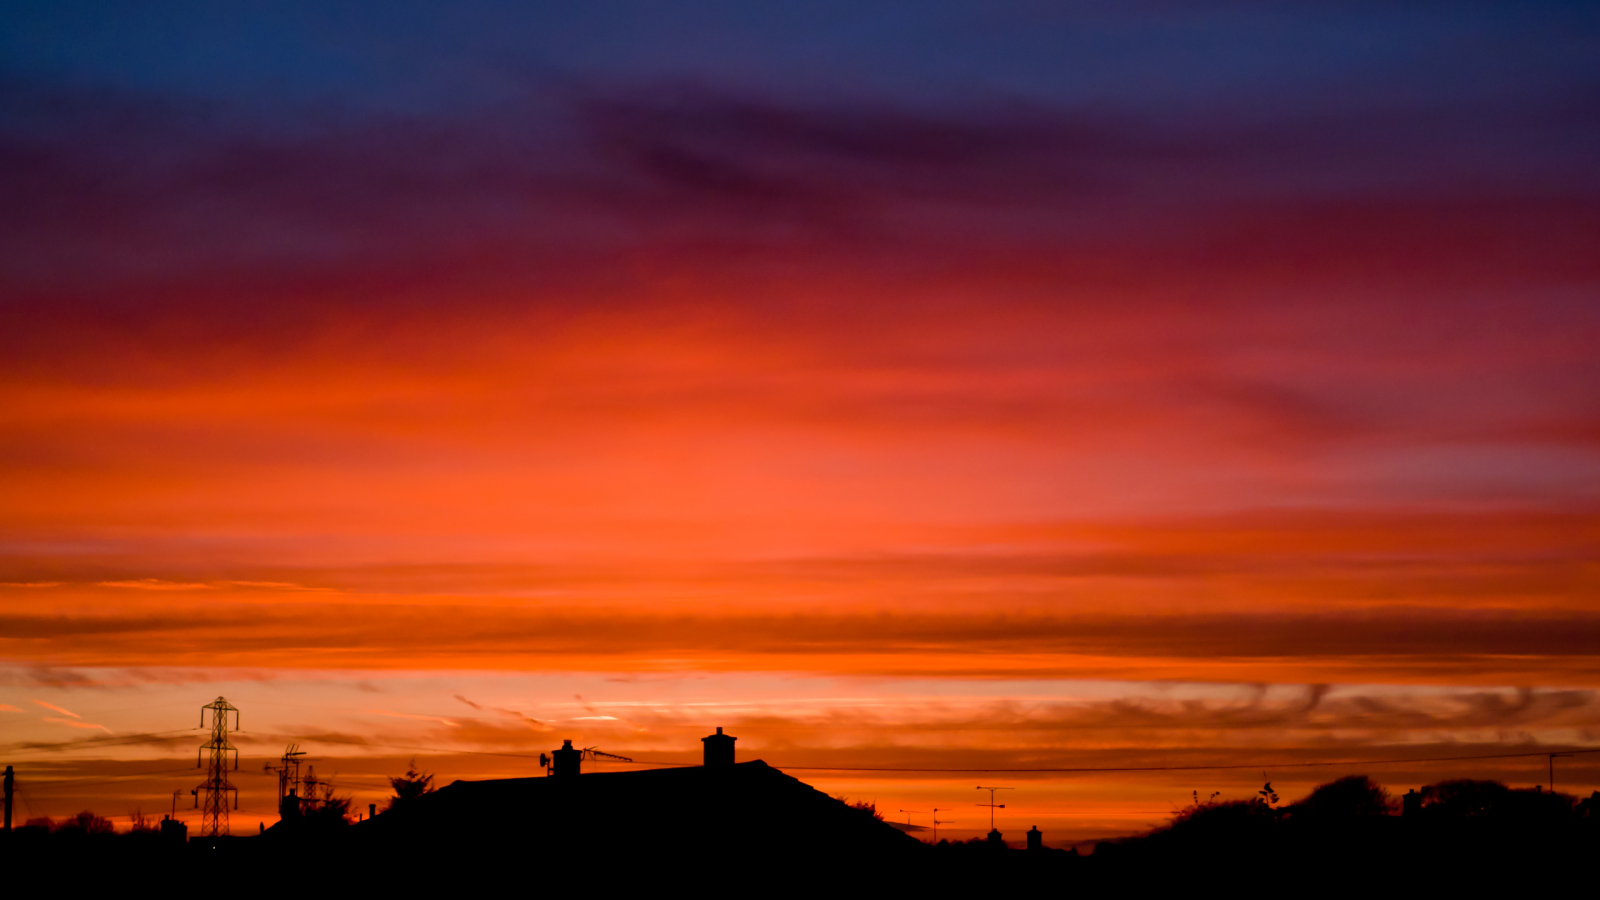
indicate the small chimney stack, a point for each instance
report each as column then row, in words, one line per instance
column 568, row 761
column 719, row 749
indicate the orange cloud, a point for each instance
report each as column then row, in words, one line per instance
column 52, row 706
column 72, row 724
column 440, row 719
column 154, row 584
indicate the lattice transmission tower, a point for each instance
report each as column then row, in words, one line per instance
column 214, row 822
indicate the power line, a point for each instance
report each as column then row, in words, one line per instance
column 1040, row 770
column 156, row 737
column 1252, row 765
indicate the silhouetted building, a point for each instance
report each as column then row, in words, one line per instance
column 568, row 761
column 1035, row 838
column 173, row 831
column 995, row 839
column 1411, row 803
column 719, row 749
column 735, row 813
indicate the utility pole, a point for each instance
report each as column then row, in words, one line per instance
column 991, row 804
column 1552, row 773
column 217, row 785
column 11, row 783
column 937, row 823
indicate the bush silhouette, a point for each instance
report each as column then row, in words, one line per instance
column 408, row 787
column 85, row 823
column 1351, row 797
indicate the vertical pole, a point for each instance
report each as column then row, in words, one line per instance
column 10, row 782
column 1552, row 759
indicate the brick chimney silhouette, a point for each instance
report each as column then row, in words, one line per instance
column 719, row 749
column 568, row 761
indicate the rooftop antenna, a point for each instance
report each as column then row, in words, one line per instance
column 553, row 762
column 991, row 804
column 288, row 770
column 937, row 823
column 908, row 813
column 217, row 785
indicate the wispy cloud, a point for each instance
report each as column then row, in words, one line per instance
column 398, row 715
column 52, row 706
column 155, row 584
column 72, row 724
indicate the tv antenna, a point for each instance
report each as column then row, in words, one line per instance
column 937, row 822
column 908, row 813
column 991, row 804
column 288, row 770
column 545, row 760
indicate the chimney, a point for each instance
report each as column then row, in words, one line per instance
column 372, row 810
column 568, row 761
column 719, row 749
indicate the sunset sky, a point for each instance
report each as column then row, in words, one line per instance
column 896, row 385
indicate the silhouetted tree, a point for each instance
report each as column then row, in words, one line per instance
column 138, row 823
column 86, row 823
column 329, row 810
column 1350, row 797
column 870, row 809
column 408, row 787
column 1465, row 798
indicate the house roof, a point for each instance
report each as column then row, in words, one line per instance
column 749, row 803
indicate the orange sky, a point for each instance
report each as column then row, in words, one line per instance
column 1182, row 414
column 944, row 536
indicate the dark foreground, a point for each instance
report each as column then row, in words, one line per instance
column 1470, row 837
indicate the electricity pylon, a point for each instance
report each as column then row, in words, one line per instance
column 215, row 818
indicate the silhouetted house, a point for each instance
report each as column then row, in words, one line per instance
column 724, row 812
column 1411, row 803
column 1035, row 838
column 995, row 838
column 173, row 831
